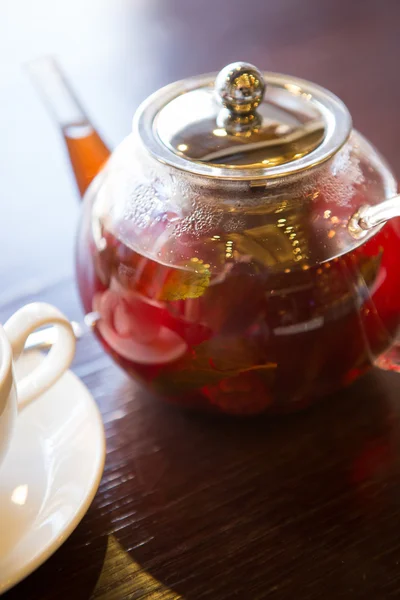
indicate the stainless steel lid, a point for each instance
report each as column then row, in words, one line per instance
column 243, row 124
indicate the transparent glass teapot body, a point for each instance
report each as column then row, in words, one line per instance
column 240, row 297
column 237, row 259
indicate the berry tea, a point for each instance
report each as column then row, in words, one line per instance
column 249, row 338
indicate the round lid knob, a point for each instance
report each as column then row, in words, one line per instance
column 240, row 87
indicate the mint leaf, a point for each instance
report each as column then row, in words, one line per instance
column 213, row 361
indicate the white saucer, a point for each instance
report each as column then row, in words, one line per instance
column 50, row 474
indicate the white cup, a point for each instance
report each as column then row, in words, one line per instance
column 15, row 394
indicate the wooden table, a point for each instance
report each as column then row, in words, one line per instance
column 304, row 507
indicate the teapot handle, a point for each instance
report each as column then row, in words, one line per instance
column 367, row 217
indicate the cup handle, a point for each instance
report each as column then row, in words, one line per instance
column 19, row 327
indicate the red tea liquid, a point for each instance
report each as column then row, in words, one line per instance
column 248, row 340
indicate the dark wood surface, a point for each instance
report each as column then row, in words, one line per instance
column 189, row 507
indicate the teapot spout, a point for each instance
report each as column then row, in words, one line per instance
column 87, row 151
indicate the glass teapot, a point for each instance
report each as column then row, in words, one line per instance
column 237, row 251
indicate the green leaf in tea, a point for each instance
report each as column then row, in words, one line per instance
column 214, row 361
column 190, row 281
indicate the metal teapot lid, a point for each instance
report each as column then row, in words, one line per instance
column 243, row 124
